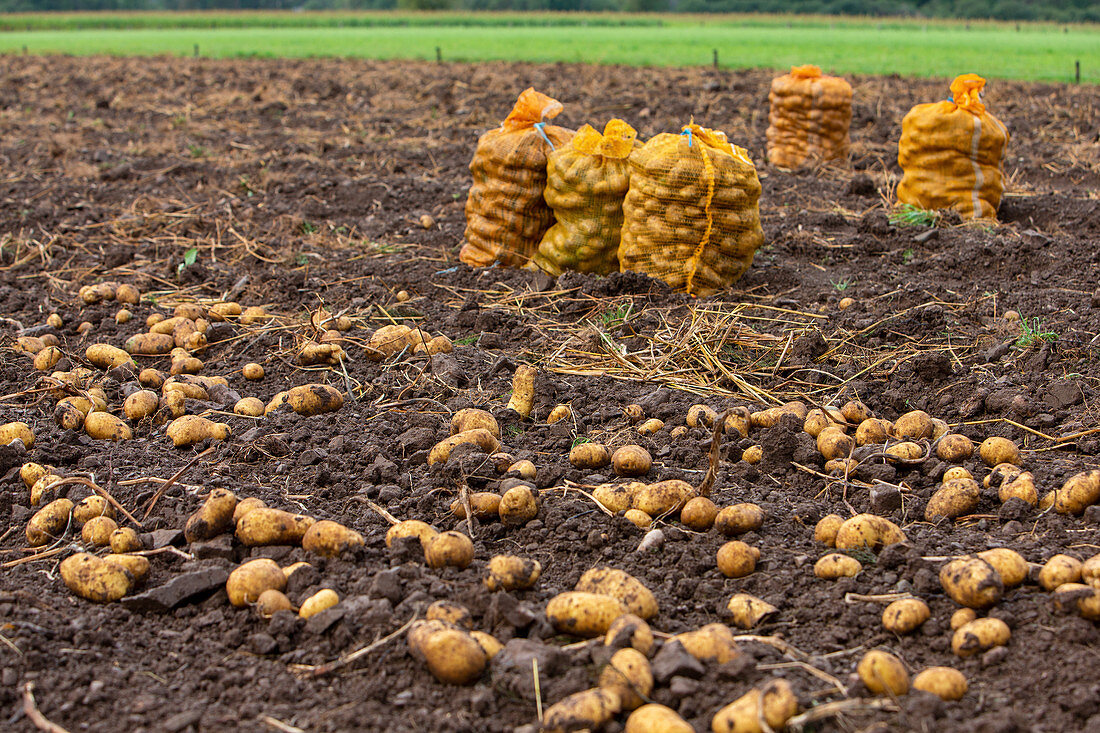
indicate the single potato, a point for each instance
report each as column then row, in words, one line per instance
column 510, row 573
column 190, row 429
column 451, row 548
column 739, row 519
column 314, row 399
column 1077, row 494
column 480, row 437
column 775, row 703
column 972, row 582
column 411, row 528
column 628, row 590
column 483, row 505
column 249, row 580
column 882, row 672
column 266, row 526
column 997, row 450
column 517, row 506
column 322, row 600
column 452, row 655
column 979, row 635
column 330, row 539
column 945, row 683
column 655, row 718
column 97, row 531
column 713, row 643
column 631, row 461
column 94, row 579
column 956, row 498
column 13, row 431
column 583, row 614
column 663, row 497
column 954, row 448
column 630, row 630
column 213, row 517
column 1058, row 570
column 471, row 418
column 747, row 611
column 699, row 513
column 905, row 616
column 585, row 710
column 867, row 530
column 826, row 529
column 589, row 455
column 105, row 426
column 737, row 559
column 837, row 565
column 628, row 675
column 49, row 522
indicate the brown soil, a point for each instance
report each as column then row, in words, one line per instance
column 304, row 182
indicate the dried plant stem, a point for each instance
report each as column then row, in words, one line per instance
column 316, row 670
column 30, row 709
column 715, row 451
column 175, row 477
column 381, row 512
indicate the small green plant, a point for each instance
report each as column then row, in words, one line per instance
column 197, row 151
column 617, row 316
column 907, row 215
column 842, row 285
column 865, row 556
column 579, row 440
column 1032, row 333
column 308, row 227
column 465, row 340
column 907, row 256
column 189, row 258
column 513, row 429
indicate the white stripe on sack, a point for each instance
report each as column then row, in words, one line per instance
column 979, row 179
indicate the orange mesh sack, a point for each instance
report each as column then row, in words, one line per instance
column 809, row 118
column 692, row 214
column 506, row 215
column 950, row 153
column 586, row 182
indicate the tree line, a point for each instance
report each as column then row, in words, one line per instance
column 1066, row 11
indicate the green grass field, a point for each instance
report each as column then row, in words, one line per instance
column 912, row 48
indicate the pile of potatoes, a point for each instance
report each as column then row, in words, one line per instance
column 260, row 584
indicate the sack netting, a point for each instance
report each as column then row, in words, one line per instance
column 809, row 118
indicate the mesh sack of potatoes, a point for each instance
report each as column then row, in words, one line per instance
column 587, row 180
column 506, row 215
column 951, row 153
column 809, row 118
column 691, row 216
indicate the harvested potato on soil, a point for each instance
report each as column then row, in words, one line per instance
column 700, row 416
column 818, row 420
column 125, row 539
column 483, row 504
column 249, row 580
column 314, row 399
column 244, row 506
column 97, row 531
column 523, row 390
column 699, row 513
column 874, row 431
column 631, row 461
column 43, row 489
column 471, row 418
column 954, row 499
column 47, row 358
column 91, row 507
column 140, row 405
column 149, row 344
column 266, row 526
column 583, row 614
column 631, row 592
column 452, row 655
column 585, row 710
column 650, row 426
column 94, row 579
column 882, row 672
column 630, row 630
column 508, row 572
column 1021, row 487
column 322, row 600
column 30, row 473
column 411, row 528
column 13, row 431
column 524, row 468
column 449, row 549
column 979, row 635
column 962, row 617
column 1009, row 564
column 826, row 529
column 249, row 407
column 559, row 413
column 213, row 517
column 137, row 565
column 747, row 611
column 190, row 429
column 998, row 450
column 954, row 448
column 252, row 371
column 488, row 643
column 1084, row 599
column 972, row 582
column 638, row 518
column 106, row 356
column 655, row 718
column 945, row 683
column 589, row 455
column 867, row 530
column 916, row 425
column 833, row 442
column 739, row 519
column 330, row 539
column 905, row 615
column 480, row 437
column 956, row 472
column 628, row 676
column 518, row 506
column 856, row 412
column 753, row 454
column 711, row 643
column 105, row 426
column 663, row 497
column 906, row 452
column 736, row 559
column 49, row 522
column 1059, row 570
column 837, row 565
column 272, row 600
column 614, row 497
column 775, row 703
column 1078, row 493
column 1090, row 571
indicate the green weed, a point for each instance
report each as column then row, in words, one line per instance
column 842, row 285
column 189, row 258
column 308, row 227
column 197, row 151
column 907, row 256
column 907, row 215
column 1032, row 333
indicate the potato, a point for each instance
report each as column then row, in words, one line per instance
column 125, row 539
column 322, row 600
column 736, row 559
column 826, row 529
column 882, row 672
column 916, row 424
column 867, row 530
column 249, row 580
column 753, row 454
column 1001, row 474
column 631, row 460
column 253, row 315
column 972, row 582
column 559, row 413
column 524, row 468
column 244, row 506
column 106, row 356
column 700, row 416
column 188, row 310
column 650, row 426
column 69, row 415
column 979, row 635
column 223, row 311
column 630, row 630
column 453, row 613
column 49, row 522
column 314, row 399
column 13, row 431
column 614, row 497
column 1090, row 571
column 874, row 431
column 105, row 426
column 663, row 497
column 450, row 548
column 517, row 506
column 249, row 407
column 190, row 429
column 289, row 570
column 94, row 579
column 138, row 565
column 266, row 526
column 589, row 455
column 275, row 403
column 44, row 489
column 471, row 418
column 954, row 499
column 1021, row 487
column 775, row 704
column 747, row 611
column 837, row 565
column 388, row 341
column 583, row 614
column 962, row 617
column 1058, row 570
column 631, row 592
column 905, row 615
column 523, row 390
column 638, row 518
column 833, row 443
column 1085, row 599
column 483, row 504
column 1009, row 564
column 411, row 528
column 47, row 358
column 480, row 437
column 699, row 513
column 487, row 642
column 585, row 710
column 954, row 448
column 91, row 507
column 904, row 452
column 767, row 418
column 628, row 676
column 29, row 344
column 140, row 405
column 149, row 344
column 1077, row 494
column 212, row 518
column 315, row 353
column 956, row 472
column 856, row 412
column 270, row 601
column 330, row 539
column 738, row 422
column 817, row 421
column 97, row 531
column 945, row 683
column 711, row 643
column 997, row 450
column 739, row 519
column 841, row 466
column 655, row 718
column 30, row 473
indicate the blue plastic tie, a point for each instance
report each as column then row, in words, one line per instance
column 687, row 131
column 538, row 126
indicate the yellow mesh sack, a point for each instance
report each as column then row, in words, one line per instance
column 506, row 215
column 691, row 216
column 809, row 118
column 586, row 182
column 950, row 153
